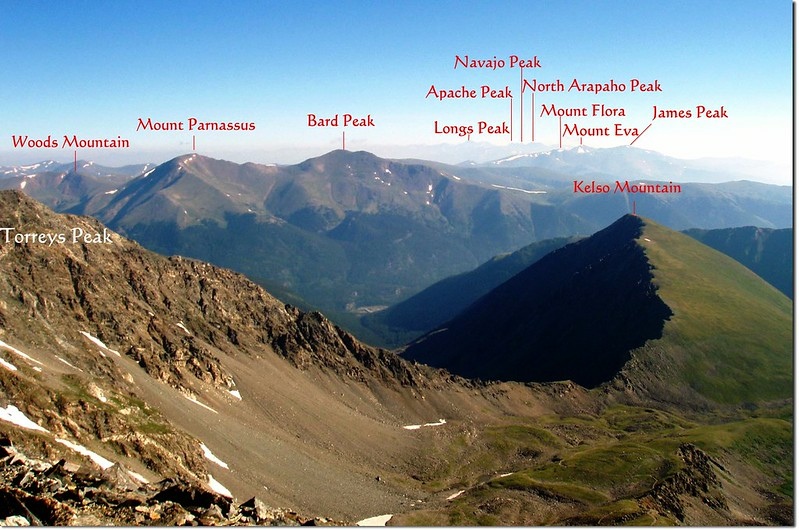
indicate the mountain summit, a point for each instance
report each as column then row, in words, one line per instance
column 633, row 290
column 575, row 314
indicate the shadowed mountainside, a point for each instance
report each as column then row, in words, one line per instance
column 701, row 323
column 575, row 314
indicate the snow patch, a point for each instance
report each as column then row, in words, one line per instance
column 456, row 495
column 212, row 457
column 503, row 475
column 138, row 477
column 517, row 189
column 218, row 488
column 148, row 173
column 68, row 363
column 99, row 343
column 441, row 421
column 235, row 393
column 456, row 177
column 104, row 463
column 181, row 326
column 12, row 414
column 193, row 400
column 111, row 192
column 516, row 157
column 8, row 366
column 22, row 184
column 647, row 239
column 18, row 352
column 377, row 520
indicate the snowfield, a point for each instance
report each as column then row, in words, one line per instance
column 12, row 414
column 218, row 488
column 212, row 457
column 99, row 343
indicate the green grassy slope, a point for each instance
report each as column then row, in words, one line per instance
column 731, row 332
column 611, row 468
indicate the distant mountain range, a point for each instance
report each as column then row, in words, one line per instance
column 84, row 167
column 631, row 162
column 625, row 161
column 350, row 233
column 767, row 252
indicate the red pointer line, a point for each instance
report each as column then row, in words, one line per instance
column 343, row 141
column 642, row 133
column 193, row 143
column 511, row 119
column 76, row 161
column 521, row 112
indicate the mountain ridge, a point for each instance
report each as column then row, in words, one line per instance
column 109, row 337
column 767, row 252
column 605, row 162
column 589, row 276
column 557, row 301
column 348, row 231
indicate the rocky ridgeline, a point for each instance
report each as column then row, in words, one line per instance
column 173, row 316
column 41, row 493
column 697, row 479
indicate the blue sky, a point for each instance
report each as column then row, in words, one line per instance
column 94, row 68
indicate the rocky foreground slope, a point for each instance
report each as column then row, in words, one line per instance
column 41, row 493
column 134, row 355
